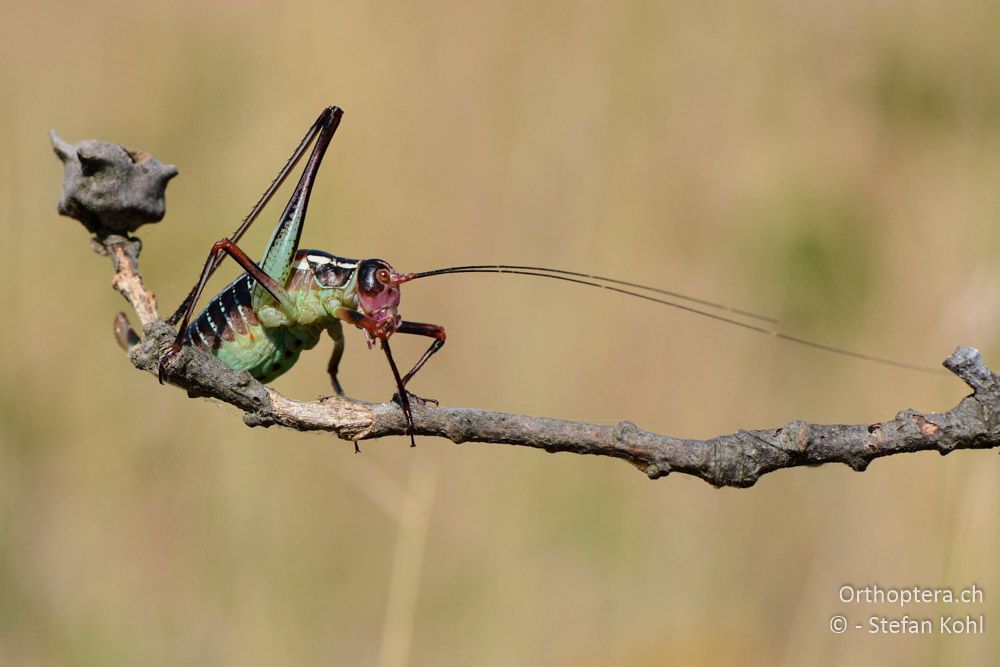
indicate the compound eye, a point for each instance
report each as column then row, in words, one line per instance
column 382, row 275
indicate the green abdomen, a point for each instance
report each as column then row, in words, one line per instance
column 229, row 329
column 267, row 353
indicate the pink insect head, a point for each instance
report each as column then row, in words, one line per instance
column 378, row 298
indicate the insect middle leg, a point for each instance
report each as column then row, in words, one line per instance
column 337, row 334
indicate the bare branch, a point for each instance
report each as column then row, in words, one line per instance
column 738, row 459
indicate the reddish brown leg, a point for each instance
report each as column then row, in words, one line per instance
column 434, row 331
column 322, row 130
column 403, row 394
column 368, row 324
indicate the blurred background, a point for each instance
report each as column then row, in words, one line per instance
column 837, row 167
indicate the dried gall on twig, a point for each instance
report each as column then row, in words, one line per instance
column 109, row 188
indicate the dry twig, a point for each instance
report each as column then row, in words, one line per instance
column 133, row 185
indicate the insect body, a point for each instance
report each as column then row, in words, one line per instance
column 281, row 306
column 229, row 327
column 262, row 321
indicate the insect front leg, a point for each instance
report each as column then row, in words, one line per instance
column 434, row 331
column 404, row 396
column 371, row 327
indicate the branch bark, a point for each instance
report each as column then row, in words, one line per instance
column 736, row 460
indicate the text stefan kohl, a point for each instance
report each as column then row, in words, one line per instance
column 944, row 625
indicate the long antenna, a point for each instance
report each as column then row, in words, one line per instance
column 536, row 270
column 609, row 284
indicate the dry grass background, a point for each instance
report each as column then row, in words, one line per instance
column 836, row 164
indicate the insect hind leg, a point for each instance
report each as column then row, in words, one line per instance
column 219, row 249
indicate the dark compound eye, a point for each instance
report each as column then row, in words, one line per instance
column 382, row 275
